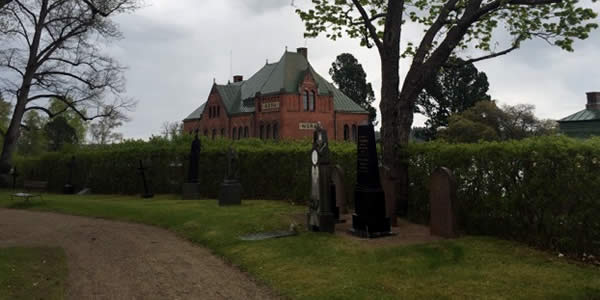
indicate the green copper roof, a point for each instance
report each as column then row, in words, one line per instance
column 282, row 77
column 584, row 115
column 197, row 114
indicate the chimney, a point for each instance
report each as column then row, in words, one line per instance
column 593, row 100
column 238, row 78
column 303, row 51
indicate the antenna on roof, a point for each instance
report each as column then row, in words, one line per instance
column 285, row 48
column 230, row 63
column 267, row 61
column 214, row 80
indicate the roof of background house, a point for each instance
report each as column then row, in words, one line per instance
column 280, row 77
column 584, row 115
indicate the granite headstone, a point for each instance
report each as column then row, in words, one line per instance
column 369, row 219
column 442, row 198
column 190, row 189
column 320, row 216
column 231, row 188
column 147, row 193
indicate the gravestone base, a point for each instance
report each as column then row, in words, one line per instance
column 190, row 191
column 326, row 223
column 68, row 189
column 230, row 193
column 370, row 218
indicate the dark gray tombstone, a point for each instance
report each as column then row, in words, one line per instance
column 68, row 187
column 338, row 193
column 320, row 216
column 191, row 188
column 369, row 219
column 442, row 198
column 147, row 193
column 231, row 188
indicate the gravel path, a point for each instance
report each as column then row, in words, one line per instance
column 116, row 260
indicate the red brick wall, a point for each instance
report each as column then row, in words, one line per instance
column 285, row 112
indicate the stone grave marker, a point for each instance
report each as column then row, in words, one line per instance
column 320, row 216
column 442, row 198
column 231, row 188
column 369, row 219
column 147, row 193
column 191, row 188
column 68, row 187
column 338, row 193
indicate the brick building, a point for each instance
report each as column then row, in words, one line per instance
column 282, row 100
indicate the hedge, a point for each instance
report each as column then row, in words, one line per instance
column 544, row 191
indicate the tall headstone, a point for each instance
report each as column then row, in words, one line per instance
column 338, row 193
column 442, row 198
column 68, row 187
column 369, row 219
column 191, row 188
column 320, row 216
column 147, row 193
column 231, row 188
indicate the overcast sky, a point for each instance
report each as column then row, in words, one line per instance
column 174, row 49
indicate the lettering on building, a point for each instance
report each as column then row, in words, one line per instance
column 308, row 126
column 270, row 106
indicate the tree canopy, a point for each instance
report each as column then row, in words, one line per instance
column 455, row 88
column 350, row 77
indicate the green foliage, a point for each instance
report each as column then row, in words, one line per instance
column 558, row 23
column 487, row 122
column 33, row 140
column 73, row 118
column 349, row 75
column 457, row 87
column 59, row 133
column 542, row 191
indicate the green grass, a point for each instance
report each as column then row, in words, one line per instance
column 322, row 266
column 32, row 273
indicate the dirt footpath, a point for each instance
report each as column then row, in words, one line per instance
column 116, row 260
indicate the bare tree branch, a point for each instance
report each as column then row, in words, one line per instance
column 369, row 25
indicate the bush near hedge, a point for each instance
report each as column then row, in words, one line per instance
column 544, row 191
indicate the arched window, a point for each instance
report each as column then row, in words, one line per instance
column 354, row 133
column 233, row 133
column 268, row 131
column 261, row 131
column 305, row 102
column 209, row 113
column 240, row 133
column 222, row 131
column 275, row 131
column 218, row 111
column 346, row 132
column 214, row 133
column 311, row 102
column 246, row 131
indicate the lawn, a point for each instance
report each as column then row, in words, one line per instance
column 323, row 266
column 32, row 273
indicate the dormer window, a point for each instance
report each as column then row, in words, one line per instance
column 305, row 102
column 311, row 102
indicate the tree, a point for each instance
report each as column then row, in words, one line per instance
column 52, row 50
column 5, row 108
column 171, row 130
column 102, row 130
column 455, row 88
column 449, row 27
column 33, row 140
column 59, row 133
column 351, row 79
column 486, row 121
column 72, row 118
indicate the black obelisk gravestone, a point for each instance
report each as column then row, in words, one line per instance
column 68, row 187
column 369, row 219
column 320, row 216
column 147, row 193
column 191, row 188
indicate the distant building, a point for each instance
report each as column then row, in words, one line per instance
column 585, row 123
column 285, row 99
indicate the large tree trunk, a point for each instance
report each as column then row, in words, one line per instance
column 4, row 2
column 12, row 135
column 392, row 132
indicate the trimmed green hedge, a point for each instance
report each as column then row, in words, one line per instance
column 544, row 191
column 268, row 170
